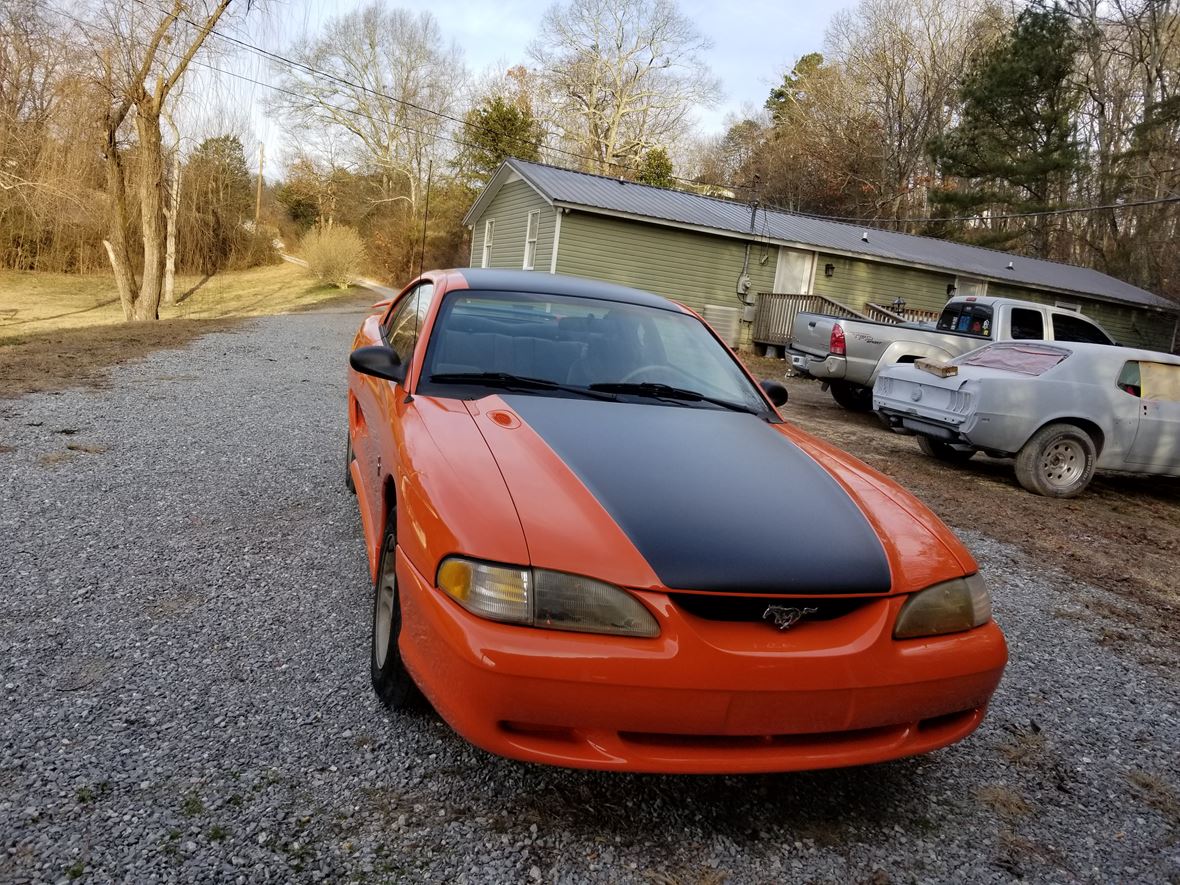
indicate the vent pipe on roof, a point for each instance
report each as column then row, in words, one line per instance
column 1010, row 266
column 864, row 237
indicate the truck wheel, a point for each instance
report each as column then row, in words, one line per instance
column 1058, row 461
column 944, row 451
column 852, row 396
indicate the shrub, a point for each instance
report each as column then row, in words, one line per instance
column 334, row 254
column 255, row 247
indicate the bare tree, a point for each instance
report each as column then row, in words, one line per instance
column 622, row 76
column 141, row 68
column 387, row 76
column 903, row 60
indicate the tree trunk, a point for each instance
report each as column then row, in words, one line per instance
column 151, row 207
column 116, row 245
column 170, row 214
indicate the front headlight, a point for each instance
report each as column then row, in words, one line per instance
column 945, row 608
column 541, row 598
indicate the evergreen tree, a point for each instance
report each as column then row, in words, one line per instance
column 655, row 168
column 496, row 130
column 794, row 89
column 1015, row 148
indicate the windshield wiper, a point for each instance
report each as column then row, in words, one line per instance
column 665, row 391
column 508, row 381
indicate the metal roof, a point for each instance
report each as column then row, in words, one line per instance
column 616, row 196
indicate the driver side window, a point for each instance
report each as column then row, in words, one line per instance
column 405, row 323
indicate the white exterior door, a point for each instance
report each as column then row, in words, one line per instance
column 792, row 276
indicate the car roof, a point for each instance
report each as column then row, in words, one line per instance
column 497, row 280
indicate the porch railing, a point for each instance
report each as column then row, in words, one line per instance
column 775, row 314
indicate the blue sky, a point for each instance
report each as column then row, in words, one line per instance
column 753, row 41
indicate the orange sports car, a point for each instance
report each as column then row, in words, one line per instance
column 595, row 543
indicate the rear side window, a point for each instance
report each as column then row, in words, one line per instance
column 1070, row 328
column 1024, row 359
column 1129, row 380
column 1161, row 382
column 970, row 319
column 1027, row 325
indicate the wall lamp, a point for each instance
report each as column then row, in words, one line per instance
column 950, row 289
column 829, row 270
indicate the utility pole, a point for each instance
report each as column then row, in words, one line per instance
column 258, row 196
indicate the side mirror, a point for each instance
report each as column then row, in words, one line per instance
column 776, row 391
column 379, row 361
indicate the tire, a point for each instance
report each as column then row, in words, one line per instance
column 944, row 451
column 852, row 396
column 1057, row 462
column 349, row 457
column 391, row 680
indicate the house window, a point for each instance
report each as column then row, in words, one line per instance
column 530, row 239
column 489, row 231
column 965, row 286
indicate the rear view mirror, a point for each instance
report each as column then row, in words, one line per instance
column 775, row 391
column 379, row 361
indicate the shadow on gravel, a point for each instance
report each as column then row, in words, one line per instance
column 827, row 807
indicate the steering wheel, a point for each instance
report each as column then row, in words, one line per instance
column 671, row 376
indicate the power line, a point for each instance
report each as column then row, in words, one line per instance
column 243, row 77
column 316, row 72
column 1073, row 210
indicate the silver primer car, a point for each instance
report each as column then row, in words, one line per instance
column 1061, row 409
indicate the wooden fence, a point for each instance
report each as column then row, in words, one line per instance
column 882, row 314
column 775, row 314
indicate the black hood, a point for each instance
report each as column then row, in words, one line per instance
column 714, row 500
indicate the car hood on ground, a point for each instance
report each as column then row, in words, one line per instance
column 702, row 499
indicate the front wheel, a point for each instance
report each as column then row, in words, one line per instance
column 391, row 679
column 1058, row 461
column 852, row 396
column 944, row 451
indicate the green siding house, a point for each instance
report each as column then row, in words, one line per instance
column 711, row 253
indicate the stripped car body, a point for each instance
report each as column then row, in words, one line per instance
column 705, row 514
column 1117, row 408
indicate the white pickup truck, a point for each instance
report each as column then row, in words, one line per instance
column 848, row 354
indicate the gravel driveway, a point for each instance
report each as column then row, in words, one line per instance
column 184, row 618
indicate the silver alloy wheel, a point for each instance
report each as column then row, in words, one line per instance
column 1063, row 463
column 383, row 610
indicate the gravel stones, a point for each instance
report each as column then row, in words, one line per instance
column 184, row 618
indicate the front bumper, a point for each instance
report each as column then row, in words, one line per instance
column 705, row 696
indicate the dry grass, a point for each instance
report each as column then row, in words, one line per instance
column 34, row 303
column 88, row 448
column 1004, row 801
column 59, row 331
column 1157, row 793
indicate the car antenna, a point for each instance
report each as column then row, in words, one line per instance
column 422, row 257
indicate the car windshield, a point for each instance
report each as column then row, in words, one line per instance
column 553, row 344
column 1024, row 359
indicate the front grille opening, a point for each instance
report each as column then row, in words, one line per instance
column 751, row 608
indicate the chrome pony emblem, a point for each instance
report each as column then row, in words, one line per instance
column 785, row 617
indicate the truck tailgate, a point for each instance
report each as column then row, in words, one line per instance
column 811, row 333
